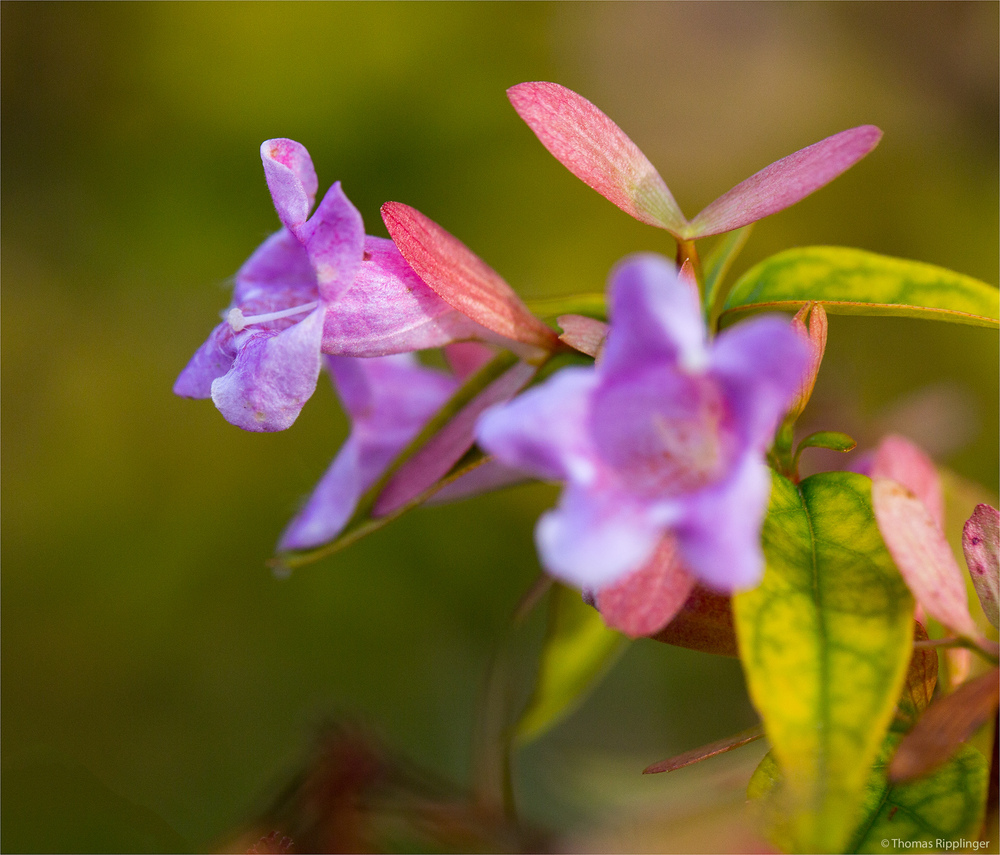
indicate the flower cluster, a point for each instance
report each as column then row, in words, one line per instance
column 660, row 445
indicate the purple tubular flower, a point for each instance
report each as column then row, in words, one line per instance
column 388, row 399
column 666, row 435
column 320, row 285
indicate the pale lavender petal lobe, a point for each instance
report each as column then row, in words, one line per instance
column 543, row 431
column 594, row 537
column 274, row 374
column 761, row 363
column 719, row 536
column 654, row 317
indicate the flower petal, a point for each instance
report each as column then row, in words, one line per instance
column 654, row 317
column 291, row 179
column 922, row 554
column 335, row 242
column 543, row 431
column 719, row 535
column 213, row 359
column 445, row 449
column 277, row 276
column 463, row 279
column 595, row 537
column 761, row 363
column 645, row 601
column 274, row 374
column 331, row 504
column 981, row 544
column 388, row 399
column 905, row 462
column 785, row 182
column 389, row 309
column 597, row 151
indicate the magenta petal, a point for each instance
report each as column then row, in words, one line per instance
column 981, row 544
column 335, row 242
column 291, row 179
column 922, row 554
column 444, row 450
column 597, row 151
column 389, row 309
column 719, row 536
column 785, row 182
column 462, row 279
column 900, row 460
column 645, row 601
column 210, row 361
column 272, row 377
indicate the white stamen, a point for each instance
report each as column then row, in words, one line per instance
column 239, row 322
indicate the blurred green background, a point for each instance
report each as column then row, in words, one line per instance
column 159, row 683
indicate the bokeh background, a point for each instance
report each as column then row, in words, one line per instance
column 159, row 684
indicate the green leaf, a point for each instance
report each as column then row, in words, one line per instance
column 944, row 807
column 578, row 651
column 929, row 814
column 825, row 642
column 854, row 282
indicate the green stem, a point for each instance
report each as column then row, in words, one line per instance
column 493, row 779
column 984, row 647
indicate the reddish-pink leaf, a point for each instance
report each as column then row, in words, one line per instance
column 922, row 554
column 713, row 749
column 433, row 461
column 462, row 279
column 947, row 722
column 645, row 601
column 582, row 333
column 900, row 460
column 597, row 152
column 981, row 544
column 704, row 623
column 815, row 337
column 785, row 182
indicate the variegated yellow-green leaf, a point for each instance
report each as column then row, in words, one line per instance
column 825, row 642
column 578, row 650
column 854, row 282
column 942, row 808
